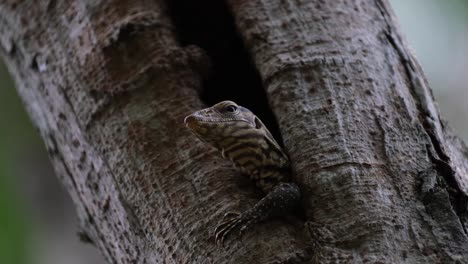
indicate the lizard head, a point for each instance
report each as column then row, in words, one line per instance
column 223, row 120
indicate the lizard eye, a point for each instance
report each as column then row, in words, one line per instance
column 230, row 109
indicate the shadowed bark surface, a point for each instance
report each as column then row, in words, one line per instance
column 108, row 83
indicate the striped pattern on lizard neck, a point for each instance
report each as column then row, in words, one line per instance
column 241, row 137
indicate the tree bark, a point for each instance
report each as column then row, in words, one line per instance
column 107, row 84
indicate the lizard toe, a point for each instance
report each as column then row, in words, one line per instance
column 226, row 228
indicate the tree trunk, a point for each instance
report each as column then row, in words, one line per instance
column 108, row 84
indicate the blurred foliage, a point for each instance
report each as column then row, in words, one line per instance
column 15, row 129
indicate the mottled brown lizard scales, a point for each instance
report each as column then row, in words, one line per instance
column 241, row 137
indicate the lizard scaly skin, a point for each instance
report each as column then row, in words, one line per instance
column 241, row 137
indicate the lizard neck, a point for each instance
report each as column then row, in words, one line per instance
column 254, row 155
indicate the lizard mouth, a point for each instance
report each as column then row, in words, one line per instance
column 192, row 121
column 196, row 126
column 195, row 123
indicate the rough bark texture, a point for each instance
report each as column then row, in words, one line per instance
column 107, row 84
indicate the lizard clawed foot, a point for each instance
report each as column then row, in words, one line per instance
column 232, row 223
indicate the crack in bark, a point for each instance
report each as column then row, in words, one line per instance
column 136, row 25
column 429, row 119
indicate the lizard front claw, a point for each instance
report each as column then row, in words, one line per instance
column 232, row 223
column 277, row 202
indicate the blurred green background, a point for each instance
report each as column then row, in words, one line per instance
column 37, row 220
